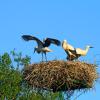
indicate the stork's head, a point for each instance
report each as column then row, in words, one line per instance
column 35, row 49
column 65, row 41
column 88, row 46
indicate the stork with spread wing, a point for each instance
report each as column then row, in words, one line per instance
column 42, row 46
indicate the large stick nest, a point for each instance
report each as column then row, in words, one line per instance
column 61, row 75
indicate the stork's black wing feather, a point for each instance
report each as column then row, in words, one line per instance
column 29, row 37
column 48, row 41
column 73, row 51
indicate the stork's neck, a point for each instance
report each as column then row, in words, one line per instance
column 86, row 49
column 64, row 44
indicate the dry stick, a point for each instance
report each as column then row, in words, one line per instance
column 54, row 70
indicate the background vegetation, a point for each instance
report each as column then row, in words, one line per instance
column 12, row 84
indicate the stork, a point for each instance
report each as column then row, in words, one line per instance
column 80, row 52
column 68, row 49
column 42, row 45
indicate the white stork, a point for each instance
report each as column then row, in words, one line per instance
column 42, row 45
column 80, row 52
column 68, row 49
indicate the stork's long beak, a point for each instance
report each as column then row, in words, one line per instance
column 91, row 47
column 34, row 50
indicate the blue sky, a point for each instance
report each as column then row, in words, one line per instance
column 77, row 21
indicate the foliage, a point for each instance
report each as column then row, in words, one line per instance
column 12, row 84
column 9, row 78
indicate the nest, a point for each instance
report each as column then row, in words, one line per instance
column 61, row 75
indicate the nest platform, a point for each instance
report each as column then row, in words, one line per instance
column 61, row 75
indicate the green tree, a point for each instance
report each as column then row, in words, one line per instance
column 12, row 84
column 10, row 78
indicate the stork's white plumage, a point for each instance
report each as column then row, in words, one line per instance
column 43, row 50
column 82, row 52
column 68, row 48
column 42, row 45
